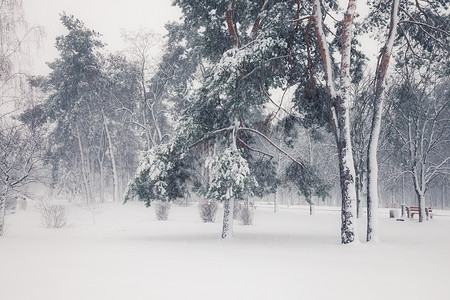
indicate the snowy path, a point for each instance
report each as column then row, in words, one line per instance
column 288, row 255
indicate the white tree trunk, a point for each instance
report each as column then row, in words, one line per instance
column 158, row 138
column 228, row 217
column 276, row 200
column 347, row 174
column 113, row 162
column 228, row 206
column 348, row 189
column 372, row 164
column 340, row 115
column 372, row 183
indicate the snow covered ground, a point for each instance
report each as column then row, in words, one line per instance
column 129, row 255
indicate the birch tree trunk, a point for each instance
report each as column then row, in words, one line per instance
column 340, row 114
column 347, row 175
column 113, row 161
column 372, row 163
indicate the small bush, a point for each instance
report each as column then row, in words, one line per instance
column 52, row 215
column 161, row 210
column 246, row 215
column 207, row 209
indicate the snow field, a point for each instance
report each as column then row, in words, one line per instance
column 127, row 254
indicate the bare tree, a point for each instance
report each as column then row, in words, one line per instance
column 143, row 47
column 18, row 148
column 419, row 125
column 20, row 160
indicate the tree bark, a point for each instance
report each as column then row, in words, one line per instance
column 421, row 200
column 228, row 217
column 347, row 175
column 348, row 194
column 340, row 114
column 276, row 200
column 113, row 161
column 372, row 164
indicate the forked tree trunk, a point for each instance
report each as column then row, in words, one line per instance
column 372, row 164
column 420, row 189
column 340, row 114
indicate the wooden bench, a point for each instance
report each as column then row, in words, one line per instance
column 412, row 210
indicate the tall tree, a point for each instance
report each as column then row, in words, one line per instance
column 73, row 103
column 18, row 148
column 372, row 165
column 235, row 46
column 143, row 49
column 420, row 132
column 340, row 110
column 418, row 24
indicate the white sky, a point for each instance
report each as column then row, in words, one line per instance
column 108, row 17
column 104, row 16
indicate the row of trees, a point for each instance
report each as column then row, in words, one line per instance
column 244, row 93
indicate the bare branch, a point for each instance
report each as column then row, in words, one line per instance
column 210, row 136
column 272, row 143
column 253, row 149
